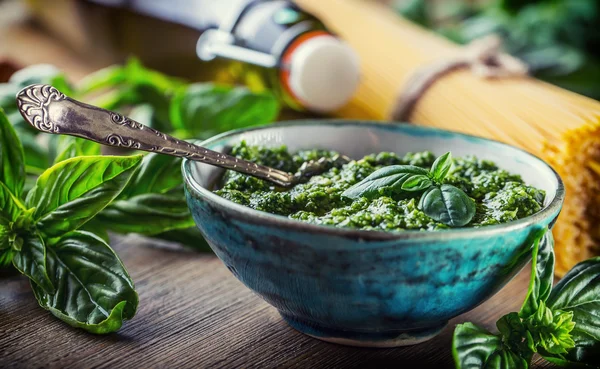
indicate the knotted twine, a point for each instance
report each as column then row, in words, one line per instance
column 482, row 56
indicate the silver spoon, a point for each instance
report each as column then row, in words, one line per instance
column 51, row 111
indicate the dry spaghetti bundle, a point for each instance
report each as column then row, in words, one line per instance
column 561, row 127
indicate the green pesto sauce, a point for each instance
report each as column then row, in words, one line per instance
column 499, row 195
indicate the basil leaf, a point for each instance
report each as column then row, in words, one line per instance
column 416, row 183
column 579, row 292
column 6, row 257
column 97, row 228
column 31, row 261
column 70, row 193
column 4, row 241
column 441, row 166
column 585, row 354
column 387, row 178
column 68, row 152
column 156, row 174
column 516, row 336
column 448, row 204
column 206, row 109
column 12, row 160
column 93, row 290
column 147, row 214
column 36, row 155
column 10, row 206
column 474, row 348
column 103, row 78
column 542, row 272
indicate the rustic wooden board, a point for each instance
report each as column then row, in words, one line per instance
column 194, row 313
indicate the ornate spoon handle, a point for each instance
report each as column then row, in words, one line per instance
column 49, row 110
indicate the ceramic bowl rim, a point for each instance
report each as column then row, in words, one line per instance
column 261, row 217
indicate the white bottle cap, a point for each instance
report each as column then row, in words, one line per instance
column 323, row 73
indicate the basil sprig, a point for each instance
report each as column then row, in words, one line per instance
column 74, row 273
column 562, row 324
column 440, row 201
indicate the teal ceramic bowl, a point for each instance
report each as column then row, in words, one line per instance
column 367, row 288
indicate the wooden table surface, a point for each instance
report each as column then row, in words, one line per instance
column 194, row 314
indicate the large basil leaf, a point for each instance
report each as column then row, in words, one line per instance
column 12, row 160
column 73, row 191
column 31, row 261
column 390, row 178
column 448, row 204
column 542, row 272
column 205, row 109
column 474, row 348
column 93, row 290
column 579, row 292
column 147, row 214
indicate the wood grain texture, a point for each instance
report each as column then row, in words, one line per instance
column 194, row 314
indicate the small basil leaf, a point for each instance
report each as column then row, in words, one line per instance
column 31, row 261
column 579, row 291
column 474, row 347
column 93, row 290
column 585, row 354
column 147, row 214
column 448, row 205
column 10, row 206
column 516, row 336
column 12, row 158
column 70, row 193
column 416, row 183
column 6, row 257
column 441, row 166
column 391, row 177
column 206, row 109
column 542, row 272
column 4, row 240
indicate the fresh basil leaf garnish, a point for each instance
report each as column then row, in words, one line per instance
column 387, row 178
column 83, row 268
column 418, row 182
column 441, row 166
column 448, row 204
column 73, row 191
